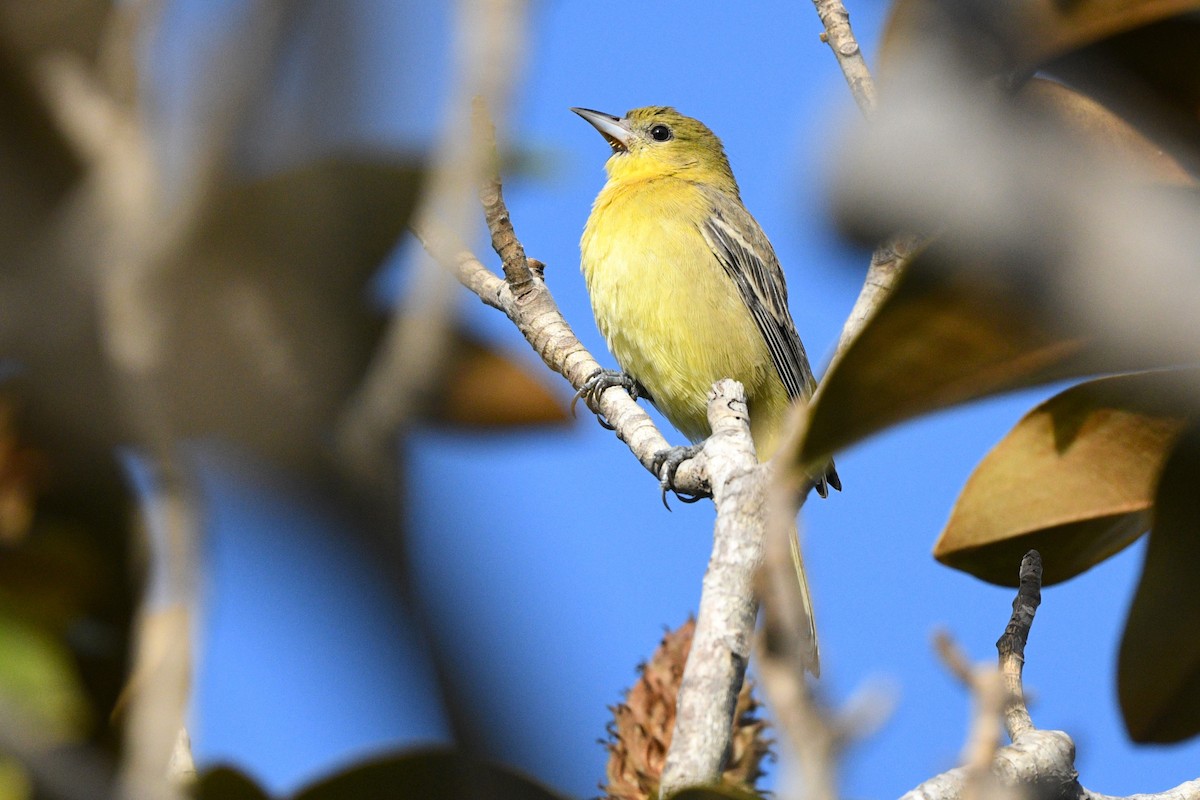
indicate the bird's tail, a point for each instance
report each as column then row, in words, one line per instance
column 830, row 478
column 812, row 655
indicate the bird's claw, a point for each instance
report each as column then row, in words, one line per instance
column 666, row 464
column 600, row 381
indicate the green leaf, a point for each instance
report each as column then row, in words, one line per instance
column 38, row 678
column 1075, row 479
column 1158, row 671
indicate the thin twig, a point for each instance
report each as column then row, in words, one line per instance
column 983, row 740
column 1041, row 762
column 791, row 487
column 840, row 39
column 145, row 231
column 495, row 211
column 1011, row 645
column 886, row 267
column 818, row 735
column 1038, row 763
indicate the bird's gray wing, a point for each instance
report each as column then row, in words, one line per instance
column 750, row 261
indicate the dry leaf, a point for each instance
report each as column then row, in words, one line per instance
column 485, row 388
column 939, row 339
column 1032, row 31
column 1158, row 675
column 1074, row 479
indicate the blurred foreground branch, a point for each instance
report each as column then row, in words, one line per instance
column 411, row 357
column 138, row 231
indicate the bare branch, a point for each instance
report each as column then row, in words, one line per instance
column 983, row 741
column 1039, row 762
column 818, row 735
column 144, row 232
column 495, row 212
column 840, row 39
column 1184, row 791
column 1011, row 645
column 887, row 265
column 720, row 651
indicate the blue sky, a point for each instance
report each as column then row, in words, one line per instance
column 548, row 599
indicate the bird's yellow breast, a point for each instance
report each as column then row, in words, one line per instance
column 672, row 317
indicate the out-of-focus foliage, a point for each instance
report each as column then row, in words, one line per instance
column 1060, row 217
column 38, row 678
column 1160, row 652
column 414, row 775
column 250, row 287
column 714, row 793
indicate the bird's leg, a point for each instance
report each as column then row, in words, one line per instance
column 666, row 463
column 601, row 380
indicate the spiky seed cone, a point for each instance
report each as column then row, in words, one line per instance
column 640, row 733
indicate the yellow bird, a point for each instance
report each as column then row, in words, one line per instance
column 685, row 286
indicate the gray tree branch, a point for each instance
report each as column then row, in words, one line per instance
column 841, row 41
column 724, row 634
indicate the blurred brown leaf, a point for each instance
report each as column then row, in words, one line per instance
column 416, row 774
column 270, row 325
column 485, row 388
column 33, row 27
column 1149, row 75
column 714, row 793
column 941, row 338
column 272, row 329
column 1074, row 479
column 427, row 774
column 1142, row 59
column 23, row 469
column 1158, row 673
column 227, row 783
column 1048, row 28
column 1031, row 31
column 1101, row 132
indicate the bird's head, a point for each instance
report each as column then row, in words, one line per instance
column 656, row 141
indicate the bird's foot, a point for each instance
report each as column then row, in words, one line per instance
column 600, row 381
column 666, row 464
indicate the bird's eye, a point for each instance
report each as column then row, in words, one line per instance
column 660, row 133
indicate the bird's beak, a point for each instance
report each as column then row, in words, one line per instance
column 614, row 129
